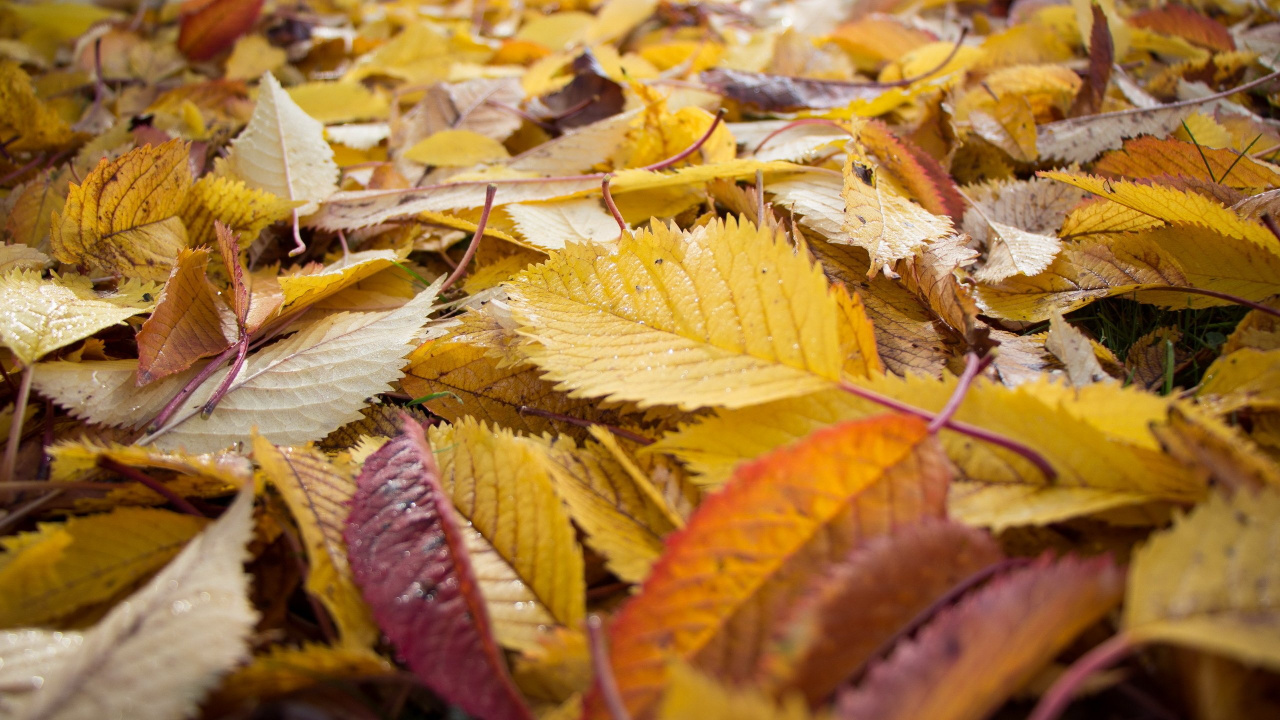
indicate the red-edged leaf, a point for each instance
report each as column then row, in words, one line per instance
column 1101, row 55
column 917, row 171
column 1187, row 24
column 208, row 27
column 408, row 555
column 968, row 661
column 849, row 612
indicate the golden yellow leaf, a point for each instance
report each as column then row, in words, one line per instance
column 39, row 316
column 21, row 257
column 186, row 324
column 251, row 56
column 23, row 116
column 889, row 226
column 1174, row 206
column 693, row 694
column 522, row 546
column 456, row 148
column 723, row 315
column 318, row 492
column 1208, row 581
column 122, row 220
column 339, row 102
column 1125, row 465
column 556, row 670
column 244, row 210
column 282, row 670
column 62, row 567
column 1244, row 378
column 314, row 284
column 1101, row 215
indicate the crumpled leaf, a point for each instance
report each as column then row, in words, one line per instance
column 122, row 221
column 630, row 325
column 1206, row 581
column 1003, row 633
column 283, row 151
column 888, row 225
column 62, row 567
column 318, row 493
column 193, row 619
column 408, row 553
column 186, row 324
column 39, row 316
column 723, row 581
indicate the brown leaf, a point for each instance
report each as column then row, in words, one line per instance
column 186, row 324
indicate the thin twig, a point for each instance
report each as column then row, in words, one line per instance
column 457, row 273
column 1060, row 695
column 192, row 385
column 973, row 365
column 605, row 680
column 759, row 197
column 692, row 148
column 151, row 483
column 14, row 517
column 972, row 431
column 620, row 432
column 15, row 426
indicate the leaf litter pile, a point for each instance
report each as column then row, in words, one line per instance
column 640, row 360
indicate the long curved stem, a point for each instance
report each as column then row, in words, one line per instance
column 1213, row 294
column 489, row 193
column 15, row 426
column 613, row 207
column 605, row 680
column 1063, row 691
column 692, row 148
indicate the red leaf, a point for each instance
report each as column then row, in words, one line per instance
column 409, row 557
column 210, row 26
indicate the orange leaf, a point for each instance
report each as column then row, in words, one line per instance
column 748, row 550
column 210, row 26
column 1149, row 157
column 847, row 614
column 971, row 658
column 186, row 325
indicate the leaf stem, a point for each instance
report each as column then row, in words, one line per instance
column 613, row 207
column 489, row 193
column 299, row 247
column 1054, row 702
column 192, row 385
column 973, row 365
column 15, row 425
column 624, row 434
column 151, row 483
column 605, row 680
column 797, row 123
column 1214, row 294
column 242, row 350
column 663, row 165
column 972, row 431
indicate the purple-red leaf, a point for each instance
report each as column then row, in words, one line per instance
column 408, row 555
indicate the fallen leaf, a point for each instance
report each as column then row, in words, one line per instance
column 40, row 316
column 207, row 27
column 186, row 324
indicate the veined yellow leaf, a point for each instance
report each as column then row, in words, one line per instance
column 39, row 316
column 318, row 493
column 523, row 547
column 456, row 148
column 724, row 315
column 1124, row 465
column 339, row 102
column 1101, row 215
column 282, row 670
column 308, row 287
column 23, row 116
column 65, row 566
column 1244, row 378
column 888, row 225
column 122, row 220
column 1174, row 206
column 1208, row 582
column 245, row 210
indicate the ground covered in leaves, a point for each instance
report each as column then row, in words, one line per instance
column 640, row 360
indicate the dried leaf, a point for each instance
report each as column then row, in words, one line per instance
column 40, row 316
column 193, row 619
column 207, row 27
column 1075, row 351
column 693, row 694
column 284, row 670
column 243, row 209
column 186, row 324
column 888, row 225
column 551, row 225
column 1004, row 633
column 122, row 220
column 408, row 553
column 1206, row 581
column 714, row 587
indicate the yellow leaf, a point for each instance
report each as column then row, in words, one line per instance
column 282, row 670
column 74, row 460
column 1246, row 378
column 556, row 670
column 283, row 151
column 21, row 257
column 1174, row 206
column 725, row 315
column 523, row 547
column 62, row 567
column 23, row 116
column 622, row 521
column 889, row 226
column 245, row 210
column 122, row 220
column 1125, row 465
column 252, row 56
column 310, row 286
column 39, row 316
column 318, row 492
column 691, row 694
column 456, row 148
column 1208, row 582
column 1100, row 215
column 339, row 102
